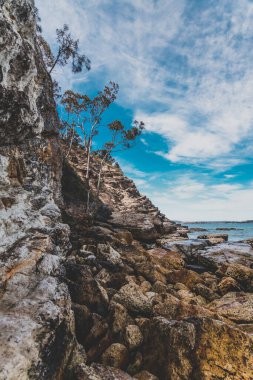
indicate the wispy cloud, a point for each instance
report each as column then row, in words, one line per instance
column 122, row 39
column 186, row 199
column 130, row 169
column 191, row 63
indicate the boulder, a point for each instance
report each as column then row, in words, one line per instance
column 119, row 317
column 133, row 299
column 167, row 348
column 228, row 284
column 227, row 253
column 215, row 238
column 197, row 348
column 99, row 372
column 188, row 297
column 98, row 329
column 221, row 352
column 83, row 322
column 109, row 254
column 204, row 291
column 168, row 259
column 151, row 272
column 145, row 286
column 237, row 306
column 173, row 308
column 133, row 337
column 159, row 287
column 136, row 363
column 186, row 277
column 84, row 289
column 239, row 272
column 188, row 248
column 124, row 236
column 140, row 225
column 116, row 356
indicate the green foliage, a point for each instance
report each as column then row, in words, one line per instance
column 84, row 118
column 67, row 51
column 86, row 113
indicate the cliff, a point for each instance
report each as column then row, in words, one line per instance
column 121, row 205
column 36, row 320
column 110, row 298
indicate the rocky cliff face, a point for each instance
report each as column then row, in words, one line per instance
column 114, row 299
column 121, row 204
column 36, row 319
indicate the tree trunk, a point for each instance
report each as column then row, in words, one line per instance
column 100, row 172
column 55, row 62
column 70, row 145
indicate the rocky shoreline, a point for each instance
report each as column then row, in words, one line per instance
column 125, row 296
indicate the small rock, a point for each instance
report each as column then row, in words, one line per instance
column 215, row 238
column 228, row 284
column 145, row 286
column 97, row 331
column 145, row 375
column 119, row 317
column 159, row 287
column 169, row 260
column 133, row 299
column 133, row 336
column 204, row 292
column 109, row 254
column 116, row 356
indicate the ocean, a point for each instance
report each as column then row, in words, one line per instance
column 240, row 231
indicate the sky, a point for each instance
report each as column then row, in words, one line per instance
column 184, row 68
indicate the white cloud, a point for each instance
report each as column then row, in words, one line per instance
column 141, row 183
column 130, row 169
column 194, row 66
column 187, row 199
column 144, row 142
column 122, row 40
column 229, row 176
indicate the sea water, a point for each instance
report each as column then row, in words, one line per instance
column 242, row 231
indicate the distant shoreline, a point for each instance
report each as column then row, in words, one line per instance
column 215, row 222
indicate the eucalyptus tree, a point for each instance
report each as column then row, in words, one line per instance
column 67, row 51
column 84, row 115
column 83, row 122
column 121, row 139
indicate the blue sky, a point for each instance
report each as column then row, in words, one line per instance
column 185, row 68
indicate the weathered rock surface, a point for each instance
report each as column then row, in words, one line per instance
column 36, row 322
column 133, row 299
column 196, row 349
column 229, row 253
column 99, row 372
column 133, row 337
column 237, row 306
column 214, row 238
column 129, row 210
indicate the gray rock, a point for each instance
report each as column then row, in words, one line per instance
column 36, row 321
column 133, row 299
